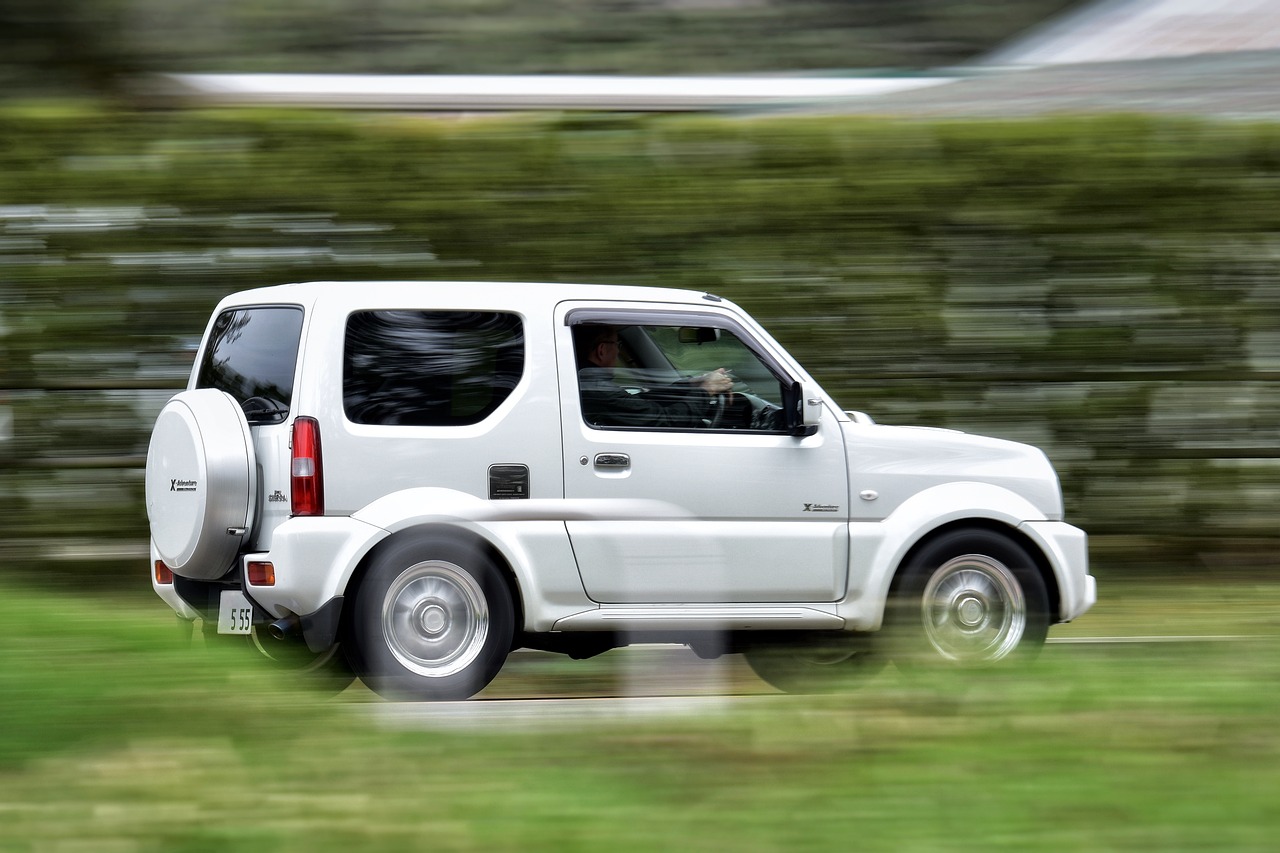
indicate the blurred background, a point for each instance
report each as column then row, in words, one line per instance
column 82, row 42
column 1046, row 220
column 1100, row 282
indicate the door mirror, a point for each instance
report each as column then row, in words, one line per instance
column 804, row 409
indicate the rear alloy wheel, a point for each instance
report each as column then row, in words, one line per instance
column 969, row 598
column 817, row 665
column 432, row 620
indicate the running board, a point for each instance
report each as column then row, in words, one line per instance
column 717, row 617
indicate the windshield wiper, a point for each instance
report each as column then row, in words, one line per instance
column 264, row 410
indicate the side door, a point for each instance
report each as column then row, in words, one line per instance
column 689, row 496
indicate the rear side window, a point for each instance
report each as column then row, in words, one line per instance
column 430, row 368
column 251, row 354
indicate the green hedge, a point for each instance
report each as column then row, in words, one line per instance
column 1105, row 288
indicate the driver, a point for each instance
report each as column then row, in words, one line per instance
column 604, row 403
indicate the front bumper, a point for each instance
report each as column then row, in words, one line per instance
column 1067, row 548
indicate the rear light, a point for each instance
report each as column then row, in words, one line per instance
column 163, row 575
column 306, row 472
column 261, row 574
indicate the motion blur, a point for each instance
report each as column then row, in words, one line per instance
column 1072, row 243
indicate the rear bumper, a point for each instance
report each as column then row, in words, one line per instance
column 169, row 594
column 313, row 558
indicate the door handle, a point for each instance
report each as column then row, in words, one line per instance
column 613, row 460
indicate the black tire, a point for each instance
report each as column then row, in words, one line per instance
column 969, row 598
column 432, row 620
column 832, row 664
column 288, row 660
column 328, row 671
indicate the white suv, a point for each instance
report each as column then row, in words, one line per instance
column 408, row 480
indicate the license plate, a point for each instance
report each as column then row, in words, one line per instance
column 235, row 613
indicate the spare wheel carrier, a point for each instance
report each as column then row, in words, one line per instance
column 202, row 483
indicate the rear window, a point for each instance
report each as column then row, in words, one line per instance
column 430, row 368
column 251, row 354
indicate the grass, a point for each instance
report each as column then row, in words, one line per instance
column 115, row 737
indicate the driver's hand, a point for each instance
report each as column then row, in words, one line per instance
column 717, row 382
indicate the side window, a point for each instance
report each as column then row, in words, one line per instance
column 251, row 354
column 429, row 368
column 674, row 377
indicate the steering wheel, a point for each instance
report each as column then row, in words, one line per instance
column 766, row 417
column 721, row 403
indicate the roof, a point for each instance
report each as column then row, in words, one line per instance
column 512, row 295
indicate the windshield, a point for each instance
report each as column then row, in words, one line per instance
column 694, row 351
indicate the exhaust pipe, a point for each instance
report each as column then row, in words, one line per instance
column 286, row 626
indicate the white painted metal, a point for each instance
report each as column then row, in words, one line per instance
column 743, row 528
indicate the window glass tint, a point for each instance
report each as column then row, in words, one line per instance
column 693, row 351
column 662, row 377
column 251, row 354
column 430, row 368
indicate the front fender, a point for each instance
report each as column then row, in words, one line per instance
column 877, row 548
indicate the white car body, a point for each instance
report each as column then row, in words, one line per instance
column 700, row 530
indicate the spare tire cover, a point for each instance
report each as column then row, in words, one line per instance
column 201, row 483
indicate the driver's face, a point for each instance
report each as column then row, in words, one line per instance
column 606, row 351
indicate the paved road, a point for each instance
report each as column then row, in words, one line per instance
column 645, row 683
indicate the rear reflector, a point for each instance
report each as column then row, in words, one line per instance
column 261, row 574
column 306, row 472
column 163, row 575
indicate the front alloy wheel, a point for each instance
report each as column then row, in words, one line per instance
column 973, row 609
column 970, row 597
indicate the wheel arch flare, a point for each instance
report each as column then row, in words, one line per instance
column 880, row 549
